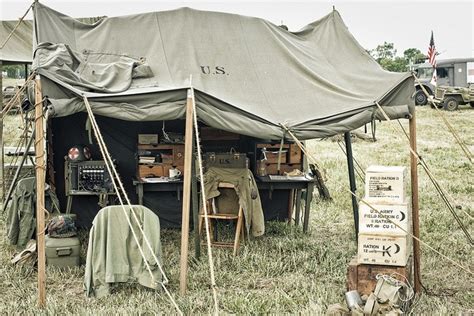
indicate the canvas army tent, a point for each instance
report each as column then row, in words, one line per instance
column 18, row 49
column 249, row 75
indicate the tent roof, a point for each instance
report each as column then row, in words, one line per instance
column 249, row 75
column 18, row 49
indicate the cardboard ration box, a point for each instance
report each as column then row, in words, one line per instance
column 386, row 184
column 147, row 139
column 383, row 250
column 372, row 222
column 62, row 252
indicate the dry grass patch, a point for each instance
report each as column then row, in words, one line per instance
column 286, row 271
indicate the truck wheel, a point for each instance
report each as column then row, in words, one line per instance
column 450, row 104
column 420, row 98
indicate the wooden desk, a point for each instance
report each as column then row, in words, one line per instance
column 298, row 185
column 168, row 186
column 263, row 183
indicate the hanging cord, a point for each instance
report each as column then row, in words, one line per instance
column 432, row 178
column 204, row 204
column 358, row 169
column 17, row 95
column 390, row 220
column 165, row 135
column 115, row 177
column 310, row 157
column 16, row 26
column 458, row 139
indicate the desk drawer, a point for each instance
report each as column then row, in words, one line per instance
column 272, row 168
column 151, row 171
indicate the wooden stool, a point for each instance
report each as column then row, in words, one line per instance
column 212, row 213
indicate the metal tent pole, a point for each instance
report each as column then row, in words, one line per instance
column 352, row 181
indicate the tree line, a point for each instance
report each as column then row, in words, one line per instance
column 386, row 55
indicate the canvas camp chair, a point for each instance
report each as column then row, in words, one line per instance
column 213, row 215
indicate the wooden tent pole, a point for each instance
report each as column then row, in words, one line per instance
column 188, row 156
column 415, row 204
column 2, row 169
column 40, row 178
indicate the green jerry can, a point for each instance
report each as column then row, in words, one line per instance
column 62, row 252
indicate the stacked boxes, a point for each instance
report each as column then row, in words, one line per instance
column 381, row 242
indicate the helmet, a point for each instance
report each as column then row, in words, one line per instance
column 79, row 153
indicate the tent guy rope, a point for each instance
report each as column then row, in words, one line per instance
column 451, row 129
column 433, row 179
column 116, row 178
column 466, row 269
column 16, row 26
column 204, row 205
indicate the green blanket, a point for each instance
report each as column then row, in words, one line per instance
column 113, row 255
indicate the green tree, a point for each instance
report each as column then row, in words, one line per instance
column 414, row 55
column 384, row 52
column 386, row 55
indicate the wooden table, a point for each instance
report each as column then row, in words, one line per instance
column 298, row 185
column 165, row 186
column 263, row 183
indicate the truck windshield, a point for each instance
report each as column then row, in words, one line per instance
column 425, row 73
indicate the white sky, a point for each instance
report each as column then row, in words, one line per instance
column 405, row 23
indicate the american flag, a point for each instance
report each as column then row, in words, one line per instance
column 432, row 58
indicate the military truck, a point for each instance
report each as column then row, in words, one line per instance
column 451, row 97
column 457, row 72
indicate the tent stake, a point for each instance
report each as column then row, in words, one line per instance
column 352, row 181
column 414, row 203
column 188, row 156
column 40, row 177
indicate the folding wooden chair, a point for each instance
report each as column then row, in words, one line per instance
column 214, row 214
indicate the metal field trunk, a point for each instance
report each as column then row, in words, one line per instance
column 383, row 250
column 62, row 252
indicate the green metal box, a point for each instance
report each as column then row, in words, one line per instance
column 62, row 252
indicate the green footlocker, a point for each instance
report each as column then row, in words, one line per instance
column 62, row 252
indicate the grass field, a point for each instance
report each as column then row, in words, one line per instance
column 286, row 271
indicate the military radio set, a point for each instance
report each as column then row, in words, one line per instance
column 84, row 176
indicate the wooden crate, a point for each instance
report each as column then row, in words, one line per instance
column 362, row 277
column 295, row 154
column 156, row 170
column 272, row 168
column 273, row 151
